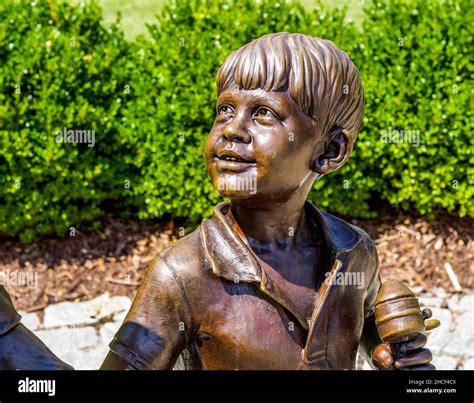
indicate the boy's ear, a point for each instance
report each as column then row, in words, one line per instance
column 337, row 148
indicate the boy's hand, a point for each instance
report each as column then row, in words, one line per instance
column 404, row 356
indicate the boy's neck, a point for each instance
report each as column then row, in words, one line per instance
column 284, row 225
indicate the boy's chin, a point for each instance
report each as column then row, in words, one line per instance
column 239, row 187
column 237, row 194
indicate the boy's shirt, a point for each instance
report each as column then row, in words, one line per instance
column 206, row 303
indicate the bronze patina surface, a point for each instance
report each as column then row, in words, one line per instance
column 19, row 347
column 400, row 320
column 269, row 282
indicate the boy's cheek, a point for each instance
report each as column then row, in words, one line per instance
column 208, row 143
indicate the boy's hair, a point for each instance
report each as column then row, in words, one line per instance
column 321, row 79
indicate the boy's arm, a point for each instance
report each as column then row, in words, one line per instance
column 158, row 326
column 378, row 352
column 370, row 335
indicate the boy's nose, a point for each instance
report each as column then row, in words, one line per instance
column 236, row 131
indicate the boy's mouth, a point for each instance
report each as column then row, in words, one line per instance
column 229, row 155
column 231, row 161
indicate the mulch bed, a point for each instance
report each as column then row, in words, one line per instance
column 421, row 253
column 114, row 258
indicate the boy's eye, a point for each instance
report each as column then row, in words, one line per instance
column 264, row 113
column 224, row 110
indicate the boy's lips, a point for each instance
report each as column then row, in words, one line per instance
column 229, row 155
column 229, row 160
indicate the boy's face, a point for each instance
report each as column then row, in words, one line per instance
column 261, row 145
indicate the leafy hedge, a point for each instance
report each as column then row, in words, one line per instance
column 416, row 67
column 60, row 67
column 151, row 105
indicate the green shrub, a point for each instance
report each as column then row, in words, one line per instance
column 151, row 105
column 60, row 67
column 416, row 68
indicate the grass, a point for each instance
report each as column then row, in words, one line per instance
column 137, row 13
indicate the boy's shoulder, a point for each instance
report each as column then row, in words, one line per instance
column 356, row 243
column 343, row 228
column 184, row 255
column 176, row 267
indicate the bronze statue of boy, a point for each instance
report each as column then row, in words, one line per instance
column 258, row 286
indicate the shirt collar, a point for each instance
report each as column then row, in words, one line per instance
column 231, row 258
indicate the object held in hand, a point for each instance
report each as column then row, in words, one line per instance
column 398, row 315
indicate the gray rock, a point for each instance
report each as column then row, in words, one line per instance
column 115, row 306
column 418, row 290
column 108, row 330
column 84, row 313
column 444, row 362
column 452, row 302
column 67, row 342
column 445, row 317
column 438, row 337
column 67, row 314
column 462, row 303
column 459, row 345
column 120, row 317
column 30, row 320
column 430, row 302
column 440, row 292
column 90, row 359
column 465, row 323
column 469, row 364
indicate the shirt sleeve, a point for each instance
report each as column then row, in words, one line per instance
column 374, row 283
column 159, row 324
column 370, row 337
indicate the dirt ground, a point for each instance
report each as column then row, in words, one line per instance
column 113, row 259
